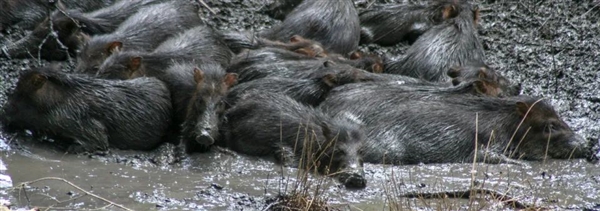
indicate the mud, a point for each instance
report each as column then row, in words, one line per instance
column 551, row 47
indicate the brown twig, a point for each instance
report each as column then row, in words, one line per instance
column 467, row 194
column 110, row 203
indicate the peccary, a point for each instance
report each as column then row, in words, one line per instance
column 391, row 24
column 143, row 31
column 451, row 44
column 68, row 26
column 200, row 128
column 199, row 44
column 28, row 13
column 334, row 24
column 412, row 127
column 271, row 124
column 239, row 41
column 307, row 91
column 88, row 113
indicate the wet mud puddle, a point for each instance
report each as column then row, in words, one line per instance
column 220, row 181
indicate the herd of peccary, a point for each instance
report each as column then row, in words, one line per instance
column 151, row 71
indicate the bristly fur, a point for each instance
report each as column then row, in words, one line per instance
column 451, row 44
column 69, row 24
column 205, row 108
column 92, row 113
column 272, row 124
column 438, row 125
column 335, row 24
column 27, row 13
column 199, row 45
column 391, row 24
column 172, row 17
column 307, row 91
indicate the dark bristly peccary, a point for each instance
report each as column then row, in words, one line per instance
column 300, row 48
column 272, row 124
column 255, row 64
column 143, row 31
column 307, row 91
column 391, row 24
column 481, row 71
column 200, row 128
column 88, row 113
column 28, row 13
column 266, row 62
column 253, row 68
column 440, row 127
column 239, row 41
column 403, row 87
column 197, row 44
column 260, row 63
column 334, row 24
column 265, row 55
column 451, row 44
column 68, row 24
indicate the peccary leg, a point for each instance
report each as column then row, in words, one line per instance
column 491, row 157
column 90, row 134
column 286, row 157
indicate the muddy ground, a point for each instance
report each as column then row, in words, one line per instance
column 551, row 47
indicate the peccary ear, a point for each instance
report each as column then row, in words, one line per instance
column 522, row 108
column 296, row 38
column 482, row 74
column 377, row 67
column 37, row 81
column 198, row 75
column 329, row 79
column 449, row 11
column 454, row 72
column 230, row 79
column 480, row 87
column 476, row 15
column 114, row 47
column 355, row 55
column 135, row 63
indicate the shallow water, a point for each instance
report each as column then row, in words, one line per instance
column 221, row 181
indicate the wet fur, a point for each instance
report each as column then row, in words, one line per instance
column 134, row 33
column 335, row 24
column 93, row 113
column 425, row 126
